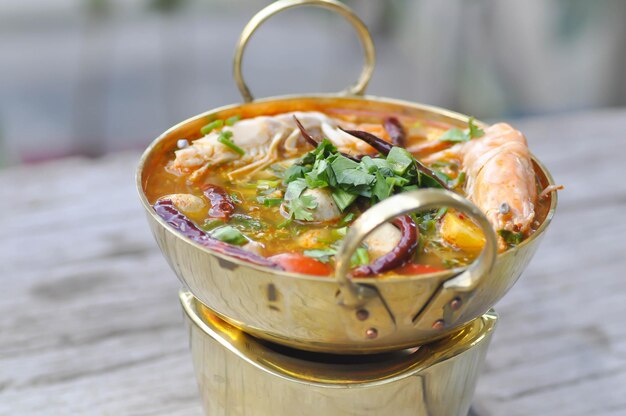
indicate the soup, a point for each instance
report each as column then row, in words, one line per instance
column 282, row 190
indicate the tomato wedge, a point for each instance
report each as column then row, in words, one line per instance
column 413, row 268
column 299, row 263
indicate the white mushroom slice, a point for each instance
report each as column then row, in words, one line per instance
column 326, row 209
column 188, row 204
column 384, row 239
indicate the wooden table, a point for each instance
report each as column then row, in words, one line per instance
column 90, row 321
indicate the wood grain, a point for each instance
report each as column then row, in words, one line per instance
column 90, row 321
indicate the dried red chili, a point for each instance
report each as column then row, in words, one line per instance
column 165, row 209
column 399, row 255
column 222, row 205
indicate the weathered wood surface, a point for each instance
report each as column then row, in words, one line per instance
column 90, row 322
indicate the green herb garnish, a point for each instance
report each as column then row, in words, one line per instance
column 322, row 255
column 474, row 131
column 299, row 206
column 269, row 202
column 246, row 223
column 232, row 120
column 371, row 178
column 512, row 239
column 225, row 139
column 342, row 198
column 347, row 219
column 360, row 257
column 399, row 160
column 211, row 223
column 456, row 135
column 230, row 235
column 212, row 126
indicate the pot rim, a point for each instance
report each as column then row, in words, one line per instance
column 363, row 280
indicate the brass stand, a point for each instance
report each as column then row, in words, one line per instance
column 241, row 375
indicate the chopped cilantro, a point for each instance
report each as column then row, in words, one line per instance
column 474, row 131
column 322, row 255
column 399, row 160
column 350, row 176
column 347, row 179
column 300, row 208
column 511, row 238
column 456, row 135
column 382, row 189
column 318, row 177
column 342, row 198
column 294, row 189
column 236, row 198
column 293, row 172
column 360, row 257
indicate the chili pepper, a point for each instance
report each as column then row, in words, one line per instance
column 395, row 130
column 165, row 209
column 222, row 205
column 399, row 255
column 377, row 143
column 384, row 148
column 315, row 143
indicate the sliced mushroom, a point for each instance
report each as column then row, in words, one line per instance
column 384, row 239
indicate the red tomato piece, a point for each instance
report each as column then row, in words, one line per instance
column 299, row 263
column 413, row 268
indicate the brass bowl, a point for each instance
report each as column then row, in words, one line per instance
column 341, row 315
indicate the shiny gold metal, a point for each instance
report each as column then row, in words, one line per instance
column 317, row 313
column 438, row 308
column 304, row 311
column 364, row 35
column 240, row 375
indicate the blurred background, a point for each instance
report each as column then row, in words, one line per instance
column 87, row 77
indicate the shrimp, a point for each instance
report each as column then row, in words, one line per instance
column 500, row 177
column 264, row 139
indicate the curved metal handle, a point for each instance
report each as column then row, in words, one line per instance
column 364, row 35
column 356, row 295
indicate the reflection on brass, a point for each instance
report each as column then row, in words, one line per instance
column 436, row 379
column 364, row 35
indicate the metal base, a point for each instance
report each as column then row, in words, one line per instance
column 241, row 375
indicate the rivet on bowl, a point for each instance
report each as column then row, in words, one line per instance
column 371, row 333
column 438, row 324
column 455, row 304
column 362, row 314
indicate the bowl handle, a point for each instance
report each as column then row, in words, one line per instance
column 364, row 35
column 445, row 306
